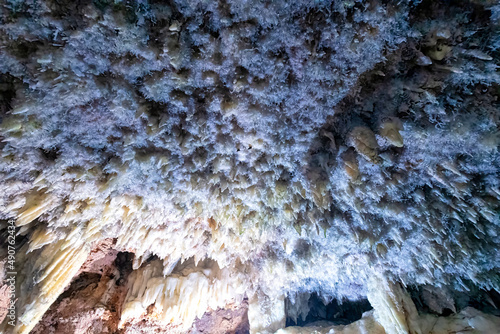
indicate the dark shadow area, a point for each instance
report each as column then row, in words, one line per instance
column 341, row 312
column 123, row 262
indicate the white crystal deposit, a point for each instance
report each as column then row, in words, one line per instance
column 343, row 148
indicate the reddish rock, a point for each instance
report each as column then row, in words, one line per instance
column 92, row 303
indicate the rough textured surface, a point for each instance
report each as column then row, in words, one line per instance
column 298, row 146
column 92, row 303
column 231, row 320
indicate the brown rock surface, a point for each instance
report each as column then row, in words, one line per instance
column 92, row 302
column 231, row 320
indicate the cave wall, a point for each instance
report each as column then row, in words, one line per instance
column 245, row 153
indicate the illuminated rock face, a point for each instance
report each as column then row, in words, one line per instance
column 231, row 159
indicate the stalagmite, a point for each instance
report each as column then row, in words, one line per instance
column 393, row 307
column 266, row 314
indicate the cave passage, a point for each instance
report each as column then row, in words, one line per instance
column 339, row 312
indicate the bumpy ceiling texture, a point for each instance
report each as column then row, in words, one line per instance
column 235, row 166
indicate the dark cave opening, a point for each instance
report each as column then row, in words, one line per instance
column 124, row 262
column 338, row 312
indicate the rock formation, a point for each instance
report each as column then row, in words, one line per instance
column 236, row 166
